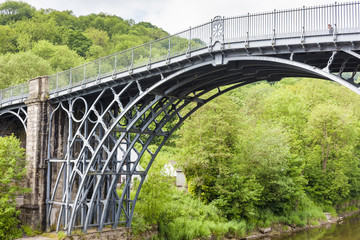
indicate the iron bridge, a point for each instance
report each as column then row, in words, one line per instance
column 105, row 114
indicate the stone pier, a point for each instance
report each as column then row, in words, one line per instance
column 33, row 210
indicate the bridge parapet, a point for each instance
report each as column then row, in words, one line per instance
column 14, row 94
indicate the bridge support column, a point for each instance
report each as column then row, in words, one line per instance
column 33, row 211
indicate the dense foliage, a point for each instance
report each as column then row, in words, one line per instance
column 41, row 42
column 270, row 148
column 261, row 155
column 12, row 168
column 176, row 214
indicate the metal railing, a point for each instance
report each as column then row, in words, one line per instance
column 300, row 22
column 14, row 93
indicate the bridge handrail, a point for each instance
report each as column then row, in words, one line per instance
column 14, row 93
column 299, row 22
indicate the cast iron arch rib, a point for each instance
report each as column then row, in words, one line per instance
column 20, row 113
column 100, row 146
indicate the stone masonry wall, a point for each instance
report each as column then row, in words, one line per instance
column 33, row 211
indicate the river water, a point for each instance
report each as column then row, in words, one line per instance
column 348, row 230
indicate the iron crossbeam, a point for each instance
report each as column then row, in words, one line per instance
column 146, row 132
column 140, row 173
column 191, row 99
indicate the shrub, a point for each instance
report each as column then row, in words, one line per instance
column 12, row 168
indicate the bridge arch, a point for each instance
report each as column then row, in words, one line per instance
column 20, row 114
column 135, row 116
column 14, row 121
column 296, row 69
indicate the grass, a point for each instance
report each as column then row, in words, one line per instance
column 61, row 235
column 184, row 217
column 29, row 231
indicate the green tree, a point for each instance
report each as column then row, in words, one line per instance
column 8, row 38
column 100, row 41
column 40, row 27
column 109, row 23
column 157, row 189
column 95, row 52
column 98, row 37
column 76, row 41
column 15, row 11
column 208, row 144
column 265, row 155
column 12, row 167
column 59, row 57
column 20, row 67
column 120, row 42
column 65, row 18
column 332, row 135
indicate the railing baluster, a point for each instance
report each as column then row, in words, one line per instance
column 274, row 28
column 84, row 73
column 57, row 82
column 149, row 56
column 70, row 83
column 247, row 24
column 99, row 75
column 335, row 18
column 303, row 20
column 169, row 49
column 132, row 60
column 115, row 63
column 188, row 52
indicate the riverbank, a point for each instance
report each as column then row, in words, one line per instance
column 276, row 230
column 280, row 229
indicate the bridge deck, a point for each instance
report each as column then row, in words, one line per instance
column 302, row 31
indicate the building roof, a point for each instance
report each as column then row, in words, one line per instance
column 175, row 165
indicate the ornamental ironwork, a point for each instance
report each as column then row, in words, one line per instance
column 217, row 29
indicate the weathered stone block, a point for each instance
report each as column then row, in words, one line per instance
column 33, row 211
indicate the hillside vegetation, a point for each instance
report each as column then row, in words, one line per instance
column 42, row 42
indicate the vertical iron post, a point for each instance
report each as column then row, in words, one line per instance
column 99, row 75
column 274, row 27
column 246, row 44
column 84, row 73
column 57, row 82
column 70, row 82
column 188, row 52
column 127, row 186
column 148, row 66
column 48, row 176
column 132, row 60
column 169, row 49
column 115, row 63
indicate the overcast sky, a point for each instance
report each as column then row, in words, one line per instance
column 172, row 15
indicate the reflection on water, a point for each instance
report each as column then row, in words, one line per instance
column 348, row 230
